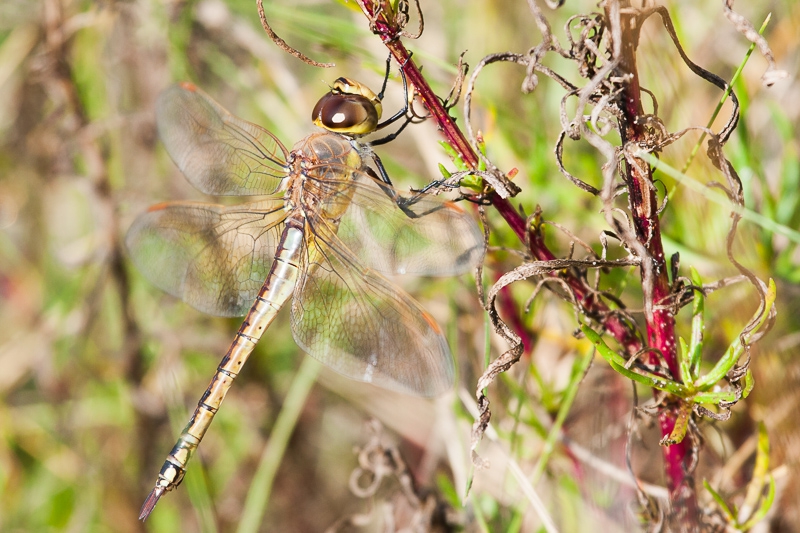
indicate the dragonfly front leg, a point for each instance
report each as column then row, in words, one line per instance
column 274, row 293
column 404, row 203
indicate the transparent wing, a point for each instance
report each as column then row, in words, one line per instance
column 360, row 324
column 218, row 153
column 214, row 258
column 431, row 237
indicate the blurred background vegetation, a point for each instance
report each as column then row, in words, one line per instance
column 100, row 370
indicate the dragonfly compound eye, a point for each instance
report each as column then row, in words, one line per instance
column 349, row 108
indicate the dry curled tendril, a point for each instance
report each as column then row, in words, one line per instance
column 378, row 466
column 593, row 44
column 282, row 44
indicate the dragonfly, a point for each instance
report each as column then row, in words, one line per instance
column 322, row 231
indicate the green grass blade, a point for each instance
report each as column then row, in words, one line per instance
column 579, row 368
column 261, row 487
column 725, row 95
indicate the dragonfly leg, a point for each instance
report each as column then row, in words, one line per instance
column 386, row 77
column 404, row 203
column 385, row 183
column 397, row 116
column 392, row 136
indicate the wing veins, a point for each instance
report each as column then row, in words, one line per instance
column 238, row 226
column 351, row 264
column 253, row 141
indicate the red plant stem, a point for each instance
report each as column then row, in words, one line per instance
column 678, row 458
column 661, row 323
column 535, row 239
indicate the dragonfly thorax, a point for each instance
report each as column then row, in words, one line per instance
column 322, row 164
column 325, row 148
column 350, row 108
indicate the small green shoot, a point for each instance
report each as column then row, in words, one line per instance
column 761, row 479
column 698, row 325
column 469, row 181
column 748, row 515
column 720, row 501
column 641, row 376
column 696, row 389
column 684, row 361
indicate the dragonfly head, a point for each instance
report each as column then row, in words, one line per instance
column 350, row 108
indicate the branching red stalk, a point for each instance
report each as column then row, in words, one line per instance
column 455, row 137
column 678, row 458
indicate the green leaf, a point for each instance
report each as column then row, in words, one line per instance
column 681, row 425
column 761, row 477
column 717, row 498
column 766, row 505
column 645, row 378
column 453, row 154
column 749, row 383
column 736, row 349
column 698, row 325
column 684, row 362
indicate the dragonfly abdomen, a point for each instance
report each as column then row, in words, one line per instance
column 277, row 289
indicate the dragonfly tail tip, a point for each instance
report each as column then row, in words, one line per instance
column 150, row 503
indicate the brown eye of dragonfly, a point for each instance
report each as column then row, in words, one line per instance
column 349, row 108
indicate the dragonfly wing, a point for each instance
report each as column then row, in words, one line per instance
column 431, row 237
column 215, row 258
column 218, row 153
column 363, row 326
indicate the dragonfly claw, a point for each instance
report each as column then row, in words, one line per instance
column 151, row 501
